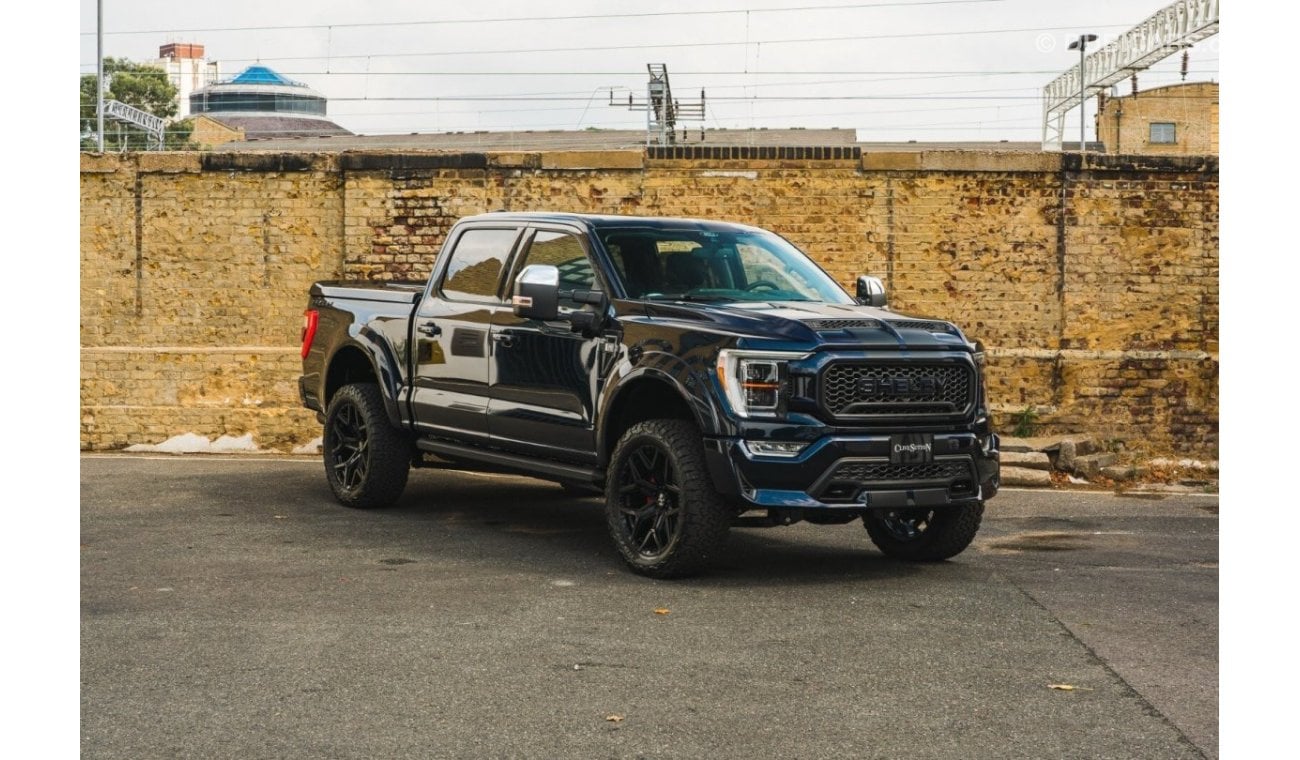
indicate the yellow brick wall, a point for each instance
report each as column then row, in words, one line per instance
column 1095, row 288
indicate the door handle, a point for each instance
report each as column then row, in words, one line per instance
column 431, row 329
column 505, row 340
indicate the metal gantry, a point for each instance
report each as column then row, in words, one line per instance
column 1169, row 30
column 153, row 125
column 662, row 110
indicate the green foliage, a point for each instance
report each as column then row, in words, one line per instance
column 139, row 85
column 1026, row 420
column 177, row 135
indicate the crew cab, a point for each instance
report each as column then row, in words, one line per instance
column 699, row 374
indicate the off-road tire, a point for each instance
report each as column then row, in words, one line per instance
column 695, row 519
column 944, row 531
column 367, row 460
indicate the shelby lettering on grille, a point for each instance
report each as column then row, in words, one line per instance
column 896, row 388
column 925, row 385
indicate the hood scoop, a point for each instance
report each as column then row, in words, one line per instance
column 829, row 325
column 939, row 327
column 821, row 325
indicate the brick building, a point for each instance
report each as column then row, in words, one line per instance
column 1178, row 119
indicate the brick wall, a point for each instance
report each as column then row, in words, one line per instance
column 1095, row 287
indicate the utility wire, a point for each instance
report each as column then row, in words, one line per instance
column 658, row 45
column 575, row 17
column 721, row 98
column 626, row 72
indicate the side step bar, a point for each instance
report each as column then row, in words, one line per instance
column 515, row 462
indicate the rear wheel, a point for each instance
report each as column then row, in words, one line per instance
column 367, row 460
column 922, row 534
column 663, row 514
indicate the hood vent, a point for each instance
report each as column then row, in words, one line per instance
column 821, row 325
column 939, row 327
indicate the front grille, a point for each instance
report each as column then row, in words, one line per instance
column 849, row 479
column 870, row 472
column 912, row 388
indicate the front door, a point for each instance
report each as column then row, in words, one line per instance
column 545, row 378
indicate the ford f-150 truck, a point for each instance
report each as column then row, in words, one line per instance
column 700, row 374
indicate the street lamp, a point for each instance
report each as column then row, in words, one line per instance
column 99, row 73
column 1082, row 45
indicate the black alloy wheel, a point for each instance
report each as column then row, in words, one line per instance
column 922, row 534
column 349, row 447
column 367, row 460
column 663, row 513
column 906, row 524
column 650, row 500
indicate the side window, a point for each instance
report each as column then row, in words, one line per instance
column 1163, row 132
column 564, row 252
column 474, row 271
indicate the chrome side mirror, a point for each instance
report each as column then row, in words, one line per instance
column 871, row 292
column 537, row 293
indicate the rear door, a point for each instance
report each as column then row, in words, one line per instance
column 545, row 377
column 451, row 329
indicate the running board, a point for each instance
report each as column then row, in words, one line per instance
column 514, row 462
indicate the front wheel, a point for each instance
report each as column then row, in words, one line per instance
column 663, row 514
column 367, row 460
column 922, row 534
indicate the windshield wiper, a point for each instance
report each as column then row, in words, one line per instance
column 701, row 297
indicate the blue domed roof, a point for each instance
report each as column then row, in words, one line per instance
column 263, row 75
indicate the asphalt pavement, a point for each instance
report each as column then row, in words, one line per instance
column 230, row 608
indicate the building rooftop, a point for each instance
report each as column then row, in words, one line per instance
column 260, row 128
column 604, row 139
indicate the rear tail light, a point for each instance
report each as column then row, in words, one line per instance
column 309, row 321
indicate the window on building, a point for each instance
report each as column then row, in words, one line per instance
column 1163, row 132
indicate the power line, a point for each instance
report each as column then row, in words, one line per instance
column 376, row 114
column 658, row 45
column 643, row 14
column 627, row 72
column 721, row 98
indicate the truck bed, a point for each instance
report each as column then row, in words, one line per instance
column 393, row 291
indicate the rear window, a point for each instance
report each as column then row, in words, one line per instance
column 474, row 272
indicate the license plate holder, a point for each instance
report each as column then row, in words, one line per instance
column 911, row 448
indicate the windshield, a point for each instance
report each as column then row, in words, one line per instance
column 715, row 265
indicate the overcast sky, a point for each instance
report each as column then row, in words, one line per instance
column 892, row 69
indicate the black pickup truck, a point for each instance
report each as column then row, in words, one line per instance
column 701, row 374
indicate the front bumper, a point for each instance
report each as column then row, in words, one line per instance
column 853, row 472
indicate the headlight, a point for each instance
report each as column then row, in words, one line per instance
column 755, row 381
